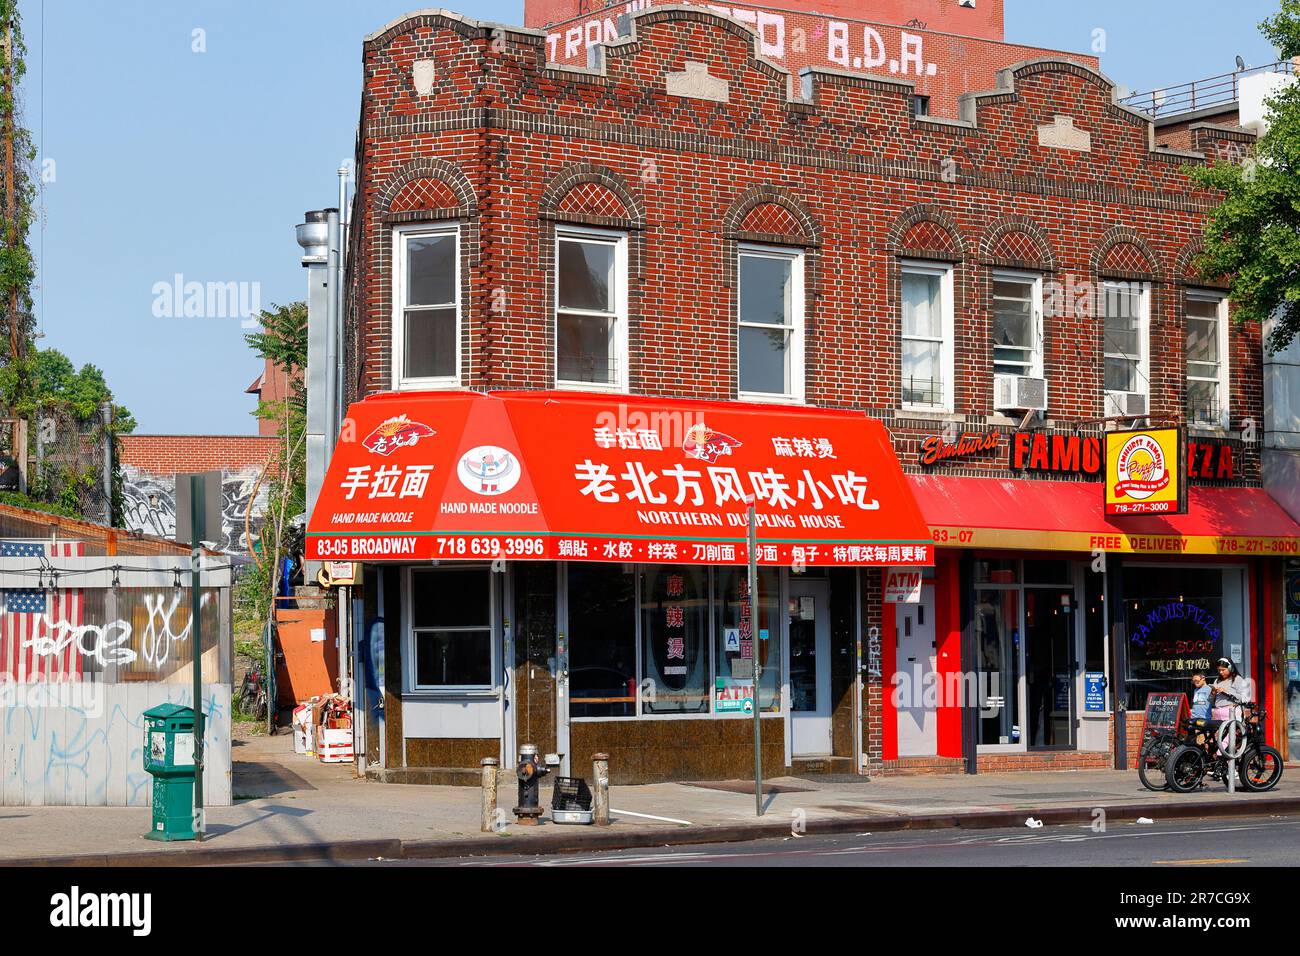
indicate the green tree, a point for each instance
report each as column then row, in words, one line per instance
column 1252, row 239
column 17, row 270
column 283, row 341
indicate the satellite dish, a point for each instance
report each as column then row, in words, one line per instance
column 1241, row 64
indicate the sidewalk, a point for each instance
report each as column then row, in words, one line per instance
column 294, row 807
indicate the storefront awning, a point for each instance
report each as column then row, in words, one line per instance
column 1024, row 514
column 565, row 476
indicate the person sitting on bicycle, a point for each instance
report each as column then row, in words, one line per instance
column 1229, row 685
column 1200, row 697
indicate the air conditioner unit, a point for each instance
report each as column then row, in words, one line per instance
column 1126, row 405
column 1019, row 392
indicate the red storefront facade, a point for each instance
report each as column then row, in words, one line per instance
column 684, row 222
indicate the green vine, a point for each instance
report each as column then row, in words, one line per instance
column 17, row 267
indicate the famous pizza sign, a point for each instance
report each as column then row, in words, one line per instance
column 1146, row 472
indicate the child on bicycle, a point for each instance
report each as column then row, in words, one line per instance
column 1200, row 697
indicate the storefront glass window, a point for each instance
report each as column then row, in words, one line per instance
column 738, row 639
column 1180, row 620
column 997, row 572
column 997, row 645
column 451, row 627
column 674, row 640
column 602, row 641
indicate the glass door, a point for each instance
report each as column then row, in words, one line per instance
column 997, row 648
column 1050, row 667
column 810, row 668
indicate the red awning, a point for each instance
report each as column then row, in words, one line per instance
column 565, row 476
column 1068, row 516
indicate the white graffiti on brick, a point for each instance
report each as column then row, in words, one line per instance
column 851, row 45
column 111, row 643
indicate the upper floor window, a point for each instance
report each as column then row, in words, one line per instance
column 927, row 337
column 770, row 301
column 590, row 308
column 1126, row 313
column 426, row 307
column 1207, row 359
column 1017, row 324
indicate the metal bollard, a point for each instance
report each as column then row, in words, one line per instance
column 600, row 792
column 488, row 823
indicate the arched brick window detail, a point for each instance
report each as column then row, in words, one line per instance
column 592, row 199
column 1125, row 257
column 1185, row 266
column 592, row 194
column 772, row 219
column 1123, row 253
column 427, row 189
column 423, row 193
column 1017, row 243
column 926, row 232
column 768, row 214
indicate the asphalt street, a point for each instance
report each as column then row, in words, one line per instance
column 1178, row 844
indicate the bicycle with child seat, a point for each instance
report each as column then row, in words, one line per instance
column 1206, row 750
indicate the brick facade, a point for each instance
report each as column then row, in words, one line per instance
column 945, row 54
column 508, row 145
column 168, row 454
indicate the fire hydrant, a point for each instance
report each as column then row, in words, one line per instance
column 530, row 772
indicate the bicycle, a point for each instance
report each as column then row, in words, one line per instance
column 1240, row 738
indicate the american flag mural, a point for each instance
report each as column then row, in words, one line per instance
column 29, row 614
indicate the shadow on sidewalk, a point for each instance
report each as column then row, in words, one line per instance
column 268, row 814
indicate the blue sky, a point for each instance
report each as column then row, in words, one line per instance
column 169, row 161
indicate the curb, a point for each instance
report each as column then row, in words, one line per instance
column 616, row 839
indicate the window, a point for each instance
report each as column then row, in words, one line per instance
column 921, row 105
column 602, row 640
column 451, row 628
column 927, row 340
column 743, row 636
column 1180, row 620
column 1124, row 309
column 674, row 639
column 1207, row 359
column 1017, row 324
column 590, row 308
column 771, row 324
column 426, row 307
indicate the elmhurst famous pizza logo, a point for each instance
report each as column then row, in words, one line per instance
column 394, row 433
column 707, row 445
column 1141, row 468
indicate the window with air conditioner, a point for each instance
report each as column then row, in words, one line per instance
column 1016, row 308
column 1207, row 359
column 770, row 319
column 926, row 372
column 590, row 309
column 426, row 307
column 1125, row 309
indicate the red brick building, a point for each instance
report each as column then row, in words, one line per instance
column 685, row 220
column 945, row 48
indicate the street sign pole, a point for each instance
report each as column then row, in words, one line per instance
column 196, row 636
column 752, row 549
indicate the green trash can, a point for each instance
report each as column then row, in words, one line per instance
column 169, row 758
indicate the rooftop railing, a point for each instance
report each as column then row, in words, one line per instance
column 1220, row 90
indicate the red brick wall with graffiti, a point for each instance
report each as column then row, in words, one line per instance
column 942, row 63
column 983, row 19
